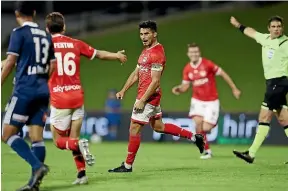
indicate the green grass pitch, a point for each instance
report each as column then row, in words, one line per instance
column 158, row 167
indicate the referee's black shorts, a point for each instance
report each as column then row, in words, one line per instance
column 275, row 96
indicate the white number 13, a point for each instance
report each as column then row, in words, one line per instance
column 67, row 64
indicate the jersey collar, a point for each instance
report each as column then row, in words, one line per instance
column 196, row 66
column 29, row 23
column 56, row 35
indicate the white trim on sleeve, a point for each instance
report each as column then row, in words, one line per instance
column 13, row 53
column 185, row 82
column 94, row 54
column 218, row 72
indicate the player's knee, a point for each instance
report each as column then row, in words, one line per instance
column 8, row 131
column 135, row 129
column 265, row 116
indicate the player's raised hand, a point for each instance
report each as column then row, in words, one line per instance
column 175, row 90
column 121, row 56
column 234, row 22
column 236, row 92
column 120, row 95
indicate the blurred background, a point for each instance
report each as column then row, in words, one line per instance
column 113, row 26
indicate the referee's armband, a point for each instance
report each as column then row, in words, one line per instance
column 242, row 28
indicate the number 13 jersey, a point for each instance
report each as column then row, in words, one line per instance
column 65, row 85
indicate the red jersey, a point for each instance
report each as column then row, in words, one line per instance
column 151, row 59
column 203, row 79
column 65, row 86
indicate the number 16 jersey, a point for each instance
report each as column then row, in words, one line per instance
column 65, row 86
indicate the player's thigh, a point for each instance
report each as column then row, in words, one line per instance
column 211, row 115
column 37, row 118
column 76, row 123
column 197, row 108
column 61, row 120
column 15, row 117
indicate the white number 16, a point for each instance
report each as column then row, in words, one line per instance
column 67, row 65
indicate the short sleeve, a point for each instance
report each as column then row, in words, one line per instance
column 157, row 61
column 185, row 76
column 15, row 43
column 87, row 50
column 260, row 37
column 215, row 69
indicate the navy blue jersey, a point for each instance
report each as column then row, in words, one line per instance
column 34, row 49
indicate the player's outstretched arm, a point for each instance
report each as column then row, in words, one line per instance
column 132, row 79
column 182, row 88
column 248, row 31
column 8, row 66
column 105, row 55
column 236, row 92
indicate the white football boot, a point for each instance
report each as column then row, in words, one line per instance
column 84, row 149
column 79, row 181
column 206, row 155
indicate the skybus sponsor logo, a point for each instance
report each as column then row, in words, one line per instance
column 237, row 128
column 66, row 88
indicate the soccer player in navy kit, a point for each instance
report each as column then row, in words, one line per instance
column 33, row 51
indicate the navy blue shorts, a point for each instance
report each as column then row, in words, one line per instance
column 24, row 111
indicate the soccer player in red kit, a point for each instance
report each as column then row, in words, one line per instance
column 148, row 72
column 205, row 105
column 66, row 92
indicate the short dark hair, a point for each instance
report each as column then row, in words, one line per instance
column 275, row 18
column 148, row 25
column 55, row 22
column 26, row 8
column 192, row 45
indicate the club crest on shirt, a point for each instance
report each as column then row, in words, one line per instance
column 190, row 75
column 144, row 59
column 203, row 73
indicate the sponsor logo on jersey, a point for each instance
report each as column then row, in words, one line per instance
column 66, row 88
column 200, row 82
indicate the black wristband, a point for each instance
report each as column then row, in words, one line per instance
column 242, row 28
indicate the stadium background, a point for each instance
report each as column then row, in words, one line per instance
column 114, row 26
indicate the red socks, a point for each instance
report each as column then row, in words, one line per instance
column 206, row 147
column 67, row 143
column 177, row 131
column 134, row 144
column 79, row 161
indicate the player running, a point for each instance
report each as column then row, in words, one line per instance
column 205, row 105
column 67, row 96
column 32, row 49
column 275, row 64
column 150, row 67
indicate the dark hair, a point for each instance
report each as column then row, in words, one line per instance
column 55, row 22
column 192, row 45
column 26, row 8
column 148, row 25
column 275, row 18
